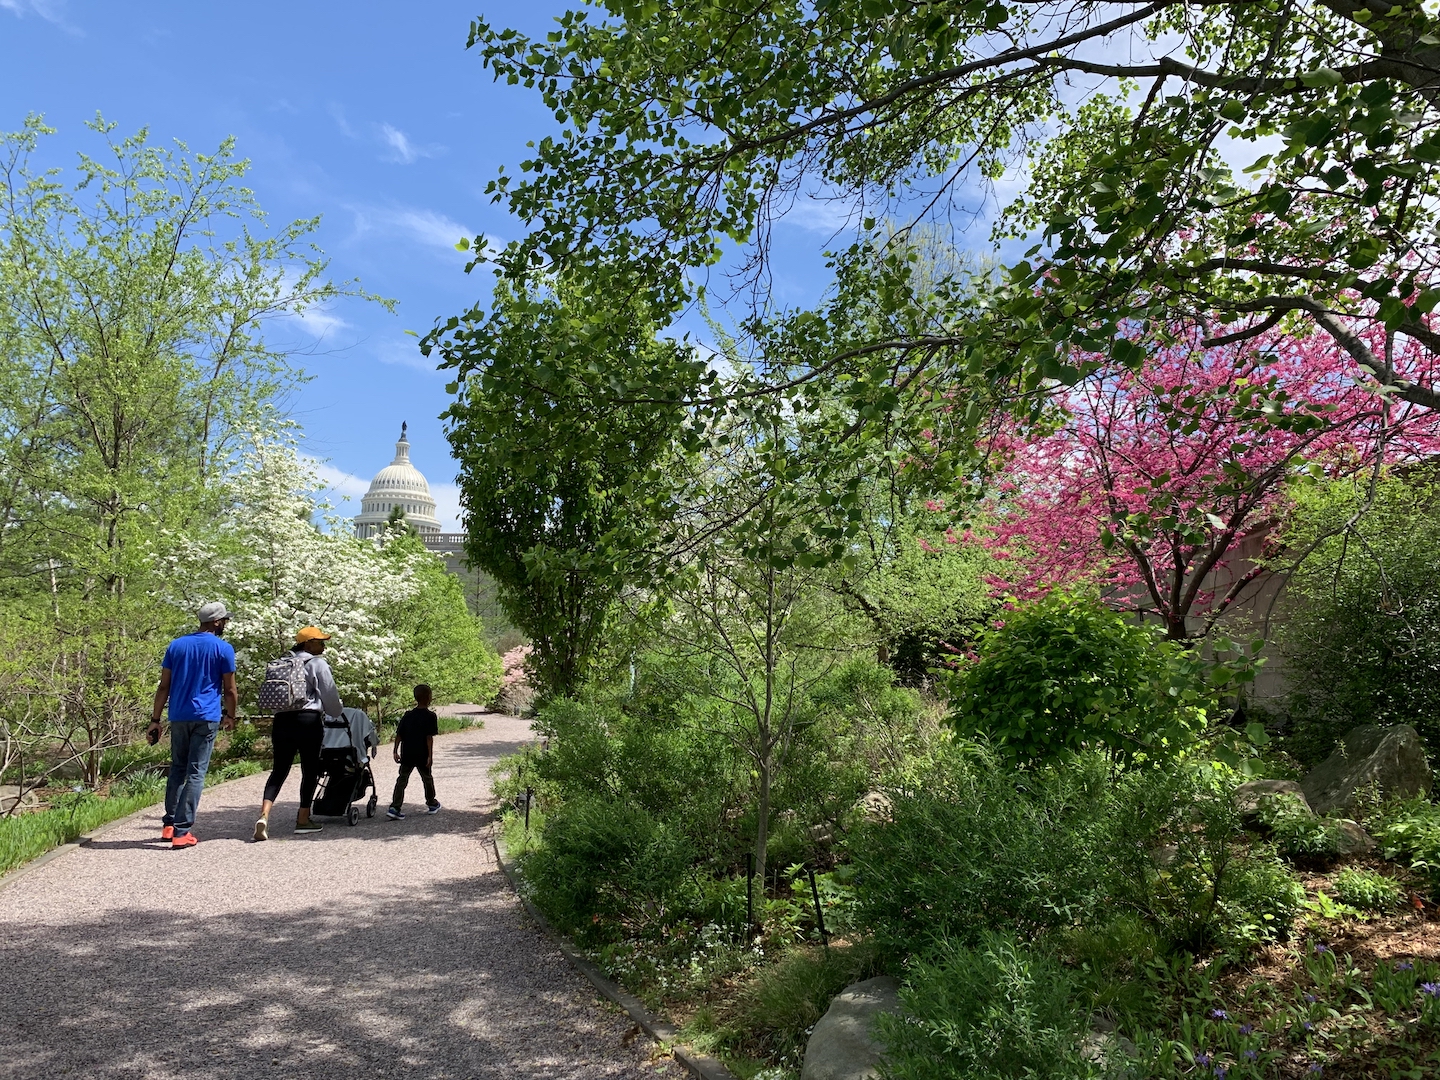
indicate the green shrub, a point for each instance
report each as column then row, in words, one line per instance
column 614, row 860
column 1066, row 674
column 242, row 740
column 1258, row 901
column 1296, row 831
column 994, row 1011
column 975, row 845
column 1367, row 889
column 1410, row 831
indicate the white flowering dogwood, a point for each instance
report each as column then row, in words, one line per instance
column 277, row 571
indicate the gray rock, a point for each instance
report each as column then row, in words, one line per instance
column 1389, row 759
column 843, row 1045
column 10, row 795
column 1113, row 1052
column 1353, row 840
column 1249, row 795
column 875, row 806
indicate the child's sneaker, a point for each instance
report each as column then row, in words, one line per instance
column 433, row 808
column 394, row 815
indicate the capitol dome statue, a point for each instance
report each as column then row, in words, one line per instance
column 398, row 484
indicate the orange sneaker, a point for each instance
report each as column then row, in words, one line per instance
column 167, row 833
column 188, row 839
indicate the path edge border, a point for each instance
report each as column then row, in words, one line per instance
column 662, row 1031
column 10, row 878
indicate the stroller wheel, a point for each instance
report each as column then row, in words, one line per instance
column 370, row 806
column 353, row 815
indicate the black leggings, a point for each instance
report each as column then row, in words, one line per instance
column 296, row 732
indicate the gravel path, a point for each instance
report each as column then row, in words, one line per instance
column 391, row 949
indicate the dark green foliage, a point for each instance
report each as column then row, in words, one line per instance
column 565, row 492
column 1367, row 889
column 778, row 1010
column 611, row 859
column 1361, row 637
column 1410, row 831
column 1066, row 674
column 1182, row 861
column 973, row 846
column 444, row 645
column 992, row 1011
column 926, row 601
column 976, row 846
column 1296, row 831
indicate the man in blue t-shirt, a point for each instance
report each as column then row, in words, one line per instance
column 197, row 679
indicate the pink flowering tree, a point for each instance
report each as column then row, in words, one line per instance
column 1153, row 476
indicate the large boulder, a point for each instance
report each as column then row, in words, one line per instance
column 1391, row 760
column 843, row 1045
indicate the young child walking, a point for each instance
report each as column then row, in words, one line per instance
column 414, row 749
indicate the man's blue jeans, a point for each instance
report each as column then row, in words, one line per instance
column 191, row 742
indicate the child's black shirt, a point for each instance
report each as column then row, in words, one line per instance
column 416, row 726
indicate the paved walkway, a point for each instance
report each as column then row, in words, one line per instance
column 390, row 949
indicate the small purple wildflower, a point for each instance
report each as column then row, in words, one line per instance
column 1203, row 1059
column 1430, row 989
column 1319, row 949
column 1311, row 998
column 1309, row 1026
column 1246, row 1029
column 1403, row 966
column 1219, row 1014
column 1251, row 1055
column 1315, row 1068
column 1220, row 1071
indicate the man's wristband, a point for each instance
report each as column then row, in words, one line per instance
column 154, row 720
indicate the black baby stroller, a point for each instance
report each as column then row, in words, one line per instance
column 345, row 774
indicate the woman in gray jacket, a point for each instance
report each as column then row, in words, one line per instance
column 300, row 731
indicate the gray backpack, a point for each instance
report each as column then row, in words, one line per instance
column 285, row 688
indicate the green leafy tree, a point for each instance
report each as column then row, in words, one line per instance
column 441, row 642
column 132, row 362
column 565, row 422
column 687, row 127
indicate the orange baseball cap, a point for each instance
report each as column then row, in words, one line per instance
column 310, row 633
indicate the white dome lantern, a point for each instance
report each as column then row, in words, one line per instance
column 398, row 484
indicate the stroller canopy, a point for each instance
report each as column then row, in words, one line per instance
column 351, row 732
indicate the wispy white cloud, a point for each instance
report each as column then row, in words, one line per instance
column 447, row 505
column 405, row 353
column 402, row 149
column 337, row 113
column 320, row 322
column 50, row 10
column 427, row 227
column 339, row 483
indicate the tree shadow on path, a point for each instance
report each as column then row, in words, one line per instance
column 444, row 981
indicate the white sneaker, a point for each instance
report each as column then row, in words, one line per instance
column 262, row 830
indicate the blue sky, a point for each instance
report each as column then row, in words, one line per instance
column 370, row 114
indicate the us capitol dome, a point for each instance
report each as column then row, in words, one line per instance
column 399, row 484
